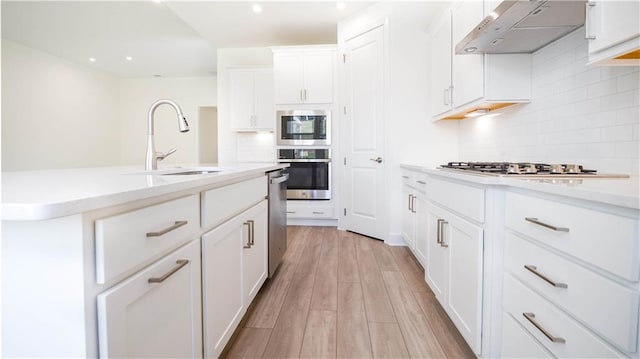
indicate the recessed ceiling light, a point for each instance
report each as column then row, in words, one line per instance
column 341, row 5
column 129, row 58
column 256, row 8
column 92, row 59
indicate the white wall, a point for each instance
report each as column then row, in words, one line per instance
column 232, row 146
column 56, row 114
column 135, row 98
column 578, row 114
column 411, row 136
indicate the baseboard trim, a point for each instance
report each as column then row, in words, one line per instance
column 312, row 222
column 395, row 239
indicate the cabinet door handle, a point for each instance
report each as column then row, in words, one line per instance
column 248, row 245
column 413, row 204
column 533, row 269
column 588, row 24
column 291, row 212
column 405, row 177
column 546, row 225
column 441, row 223
column 179, row 264
column 422, row 182
column 439, row 231
column 410, row 202
column 530, row 317
column 252, row 224
column 176, row 225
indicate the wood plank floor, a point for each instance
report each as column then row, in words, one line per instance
column 342, row 295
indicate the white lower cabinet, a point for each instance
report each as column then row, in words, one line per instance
column 454, row 270
column 156, row 312
column 234, row 266
column 414, row 227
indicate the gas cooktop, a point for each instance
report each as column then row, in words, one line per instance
column 527, row 170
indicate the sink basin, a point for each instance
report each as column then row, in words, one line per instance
column 187, row 173
column 180, row 171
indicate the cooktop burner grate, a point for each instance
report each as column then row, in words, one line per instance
column 521, row 168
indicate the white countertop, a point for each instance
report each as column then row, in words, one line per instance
column 38, row 195
column 624, row 192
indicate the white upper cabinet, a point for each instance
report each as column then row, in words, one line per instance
column 613, row 31
column 251, row 99
column 304, row 76
column 465, row 83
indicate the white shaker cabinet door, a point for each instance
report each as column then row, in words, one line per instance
column 255, row 257
column 265, row 110
column 155, row 313
column 408, row 216
column 288, row 71
column 464, row 243
column 318, row 77
column 421, row 229
column 222, row 283
column 242, row 99
column 436, row 271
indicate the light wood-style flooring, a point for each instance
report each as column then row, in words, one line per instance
column 342, row 295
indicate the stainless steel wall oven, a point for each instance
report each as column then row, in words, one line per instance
column 304, row 128
column 309, row 172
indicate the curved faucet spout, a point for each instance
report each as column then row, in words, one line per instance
column 151, row 161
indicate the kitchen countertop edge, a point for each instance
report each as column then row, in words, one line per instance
column 622, row 192
column 15, row 209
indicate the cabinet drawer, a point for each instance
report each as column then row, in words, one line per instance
column 578, row 341
column 223, row 203
column 607, row 307
column 466, row 200
column 605, row 240
column 310, row 212
column 518, row 343
column 408, row 177
column 133, row 239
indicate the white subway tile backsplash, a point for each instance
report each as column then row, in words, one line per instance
column 617, row 101
column 602, row 88
column 628, row 82
column 578, row 114
column 617, row 133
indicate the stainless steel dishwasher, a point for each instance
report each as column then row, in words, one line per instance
column 277, row 218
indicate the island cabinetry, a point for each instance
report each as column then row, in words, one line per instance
column 128, row 280
column 234, row 257
column 571, row 275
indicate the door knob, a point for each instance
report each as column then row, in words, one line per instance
column 379, row 159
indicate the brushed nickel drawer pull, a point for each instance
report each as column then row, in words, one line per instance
column 439, row 231
column 252, row 225
column 316, row 212
column 405, row 177
column 176, row 225
column 533, row 269
column 410, row 202
column 554, row 228
column 180, row 263
column 422, row 182
column 530, row 317
column 248, row 224
column 441, row 223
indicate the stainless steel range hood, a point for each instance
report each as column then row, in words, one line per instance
column 523, row 26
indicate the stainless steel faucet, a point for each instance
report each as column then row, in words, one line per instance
column 151, row 162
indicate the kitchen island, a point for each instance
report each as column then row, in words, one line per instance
column 120, row 262
column 525, row 267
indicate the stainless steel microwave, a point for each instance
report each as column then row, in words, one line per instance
column 304, row 128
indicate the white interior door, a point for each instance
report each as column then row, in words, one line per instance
column 365, row 190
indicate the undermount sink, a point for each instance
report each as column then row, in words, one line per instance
column 187, row 173
column 180, row 171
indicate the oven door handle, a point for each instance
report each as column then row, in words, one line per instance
column 314, row 160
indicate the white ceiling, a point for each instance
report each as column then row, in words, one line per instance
column 170, row 39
